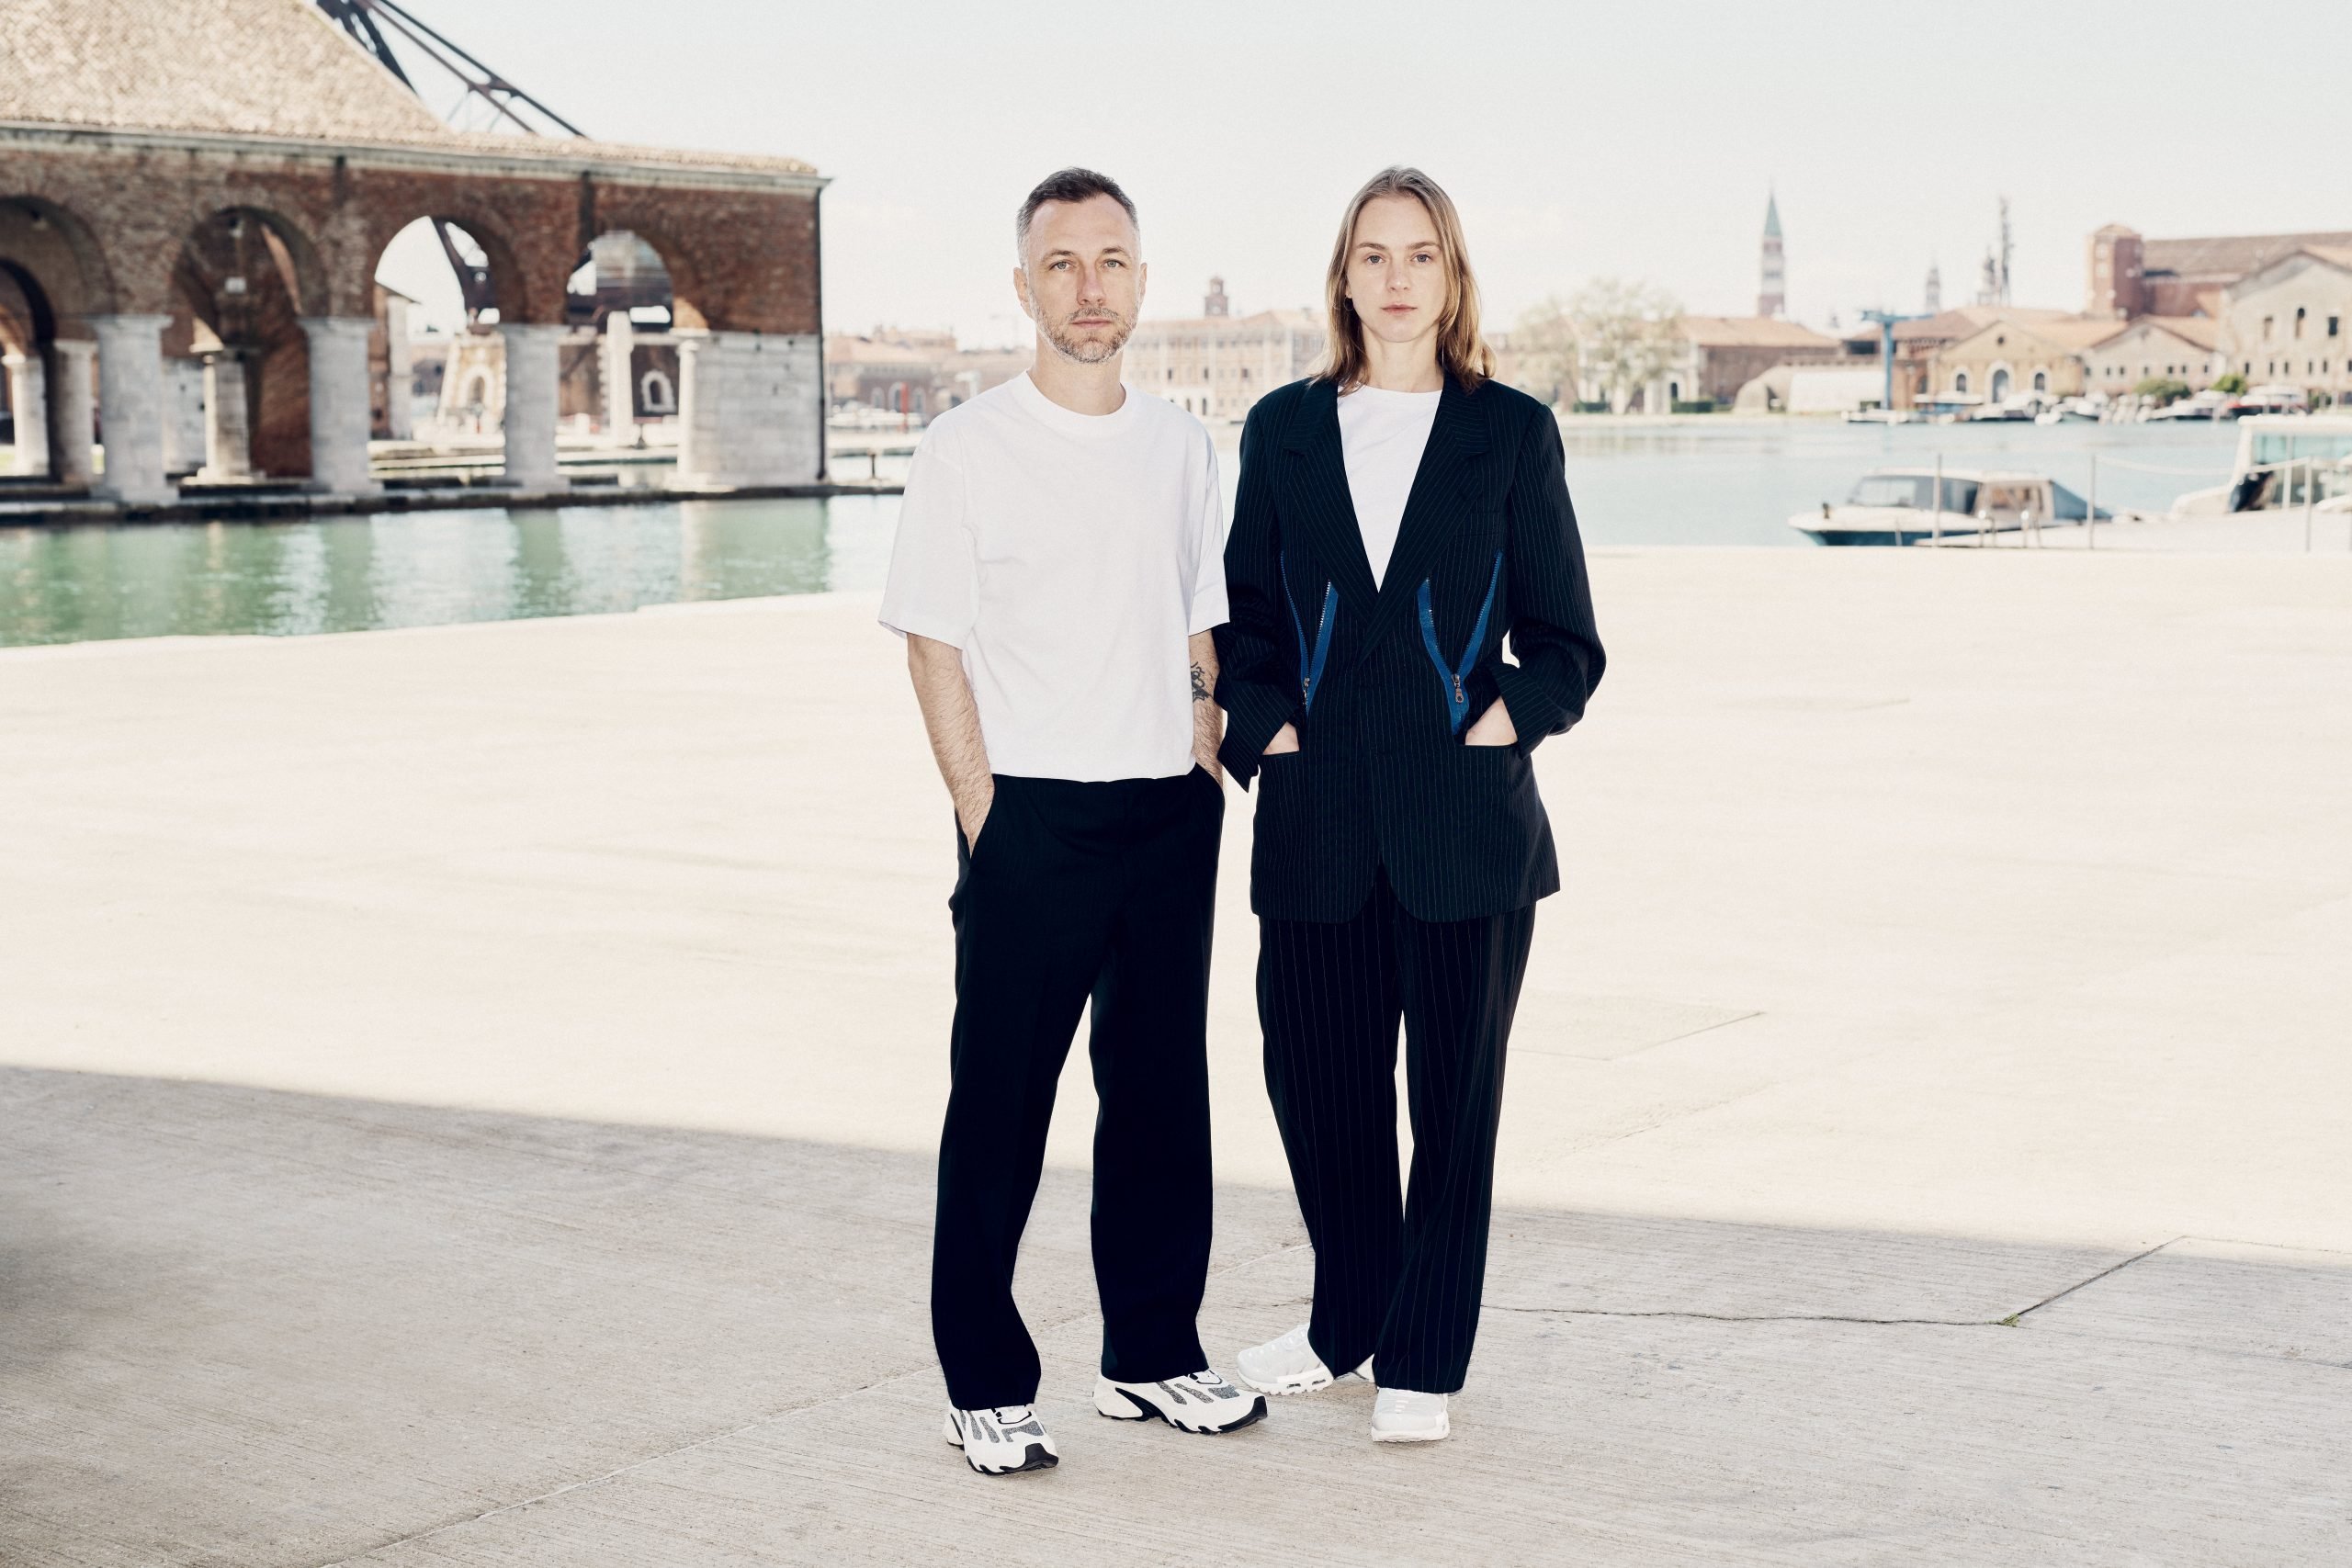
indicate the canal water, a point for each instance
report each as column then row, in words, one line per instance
column 1702, row 482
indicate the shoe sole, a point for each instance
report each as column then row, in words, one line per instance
column 1444, row 1431
column 1142, row 1409
column 1312, row 1382
column 1036, row 1456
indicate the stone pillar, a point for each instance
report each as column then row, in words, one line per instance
column 228, row 419
column 749, row 405
column 531, row 404
column 130, row 408
column 620, row 390
column 399, row 374
column 76, row 409
column 340, row 411
column 184, row 422
column 28, row 400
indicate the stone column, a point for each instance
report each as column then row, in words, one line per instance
column 620, row 391
column 28, row 400
column 399, row 375
column 76, row 409
column 748, row 406
column 339, row 412
column 228, row 419
column 531, row 404
column 184, row 422
column 130, row 408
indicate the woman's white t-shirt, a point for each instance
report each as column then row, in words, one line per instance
column 1070, row 557
column 1382, row 434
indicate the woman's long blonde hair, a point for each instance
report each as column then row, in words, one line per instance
column 1460, row 350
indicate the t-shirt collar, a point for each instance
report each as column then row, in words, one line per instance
column 1095, row 426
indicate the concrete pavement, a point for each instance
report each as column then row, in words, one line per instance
column 469, row 1091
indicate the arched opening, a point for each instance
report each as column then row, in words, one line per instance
column 1999, row 391
column 446, row 287
column 620, row 311
column 656, row 395
column 51, row 277
column 2042, row 380
column 1959, row 382
column 236, row 354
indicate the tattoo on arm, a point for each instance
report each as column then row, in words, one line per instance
column 1200, row 683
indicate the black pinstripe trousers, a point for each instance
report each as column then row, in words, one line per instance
column 1079, row 894
column 1396, row 1279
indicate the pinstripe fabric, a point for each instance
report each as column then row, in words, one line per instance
column 1382, row 779
column 1399, row 1280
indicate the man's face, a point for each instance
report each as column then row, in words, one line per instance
column 1080, row 278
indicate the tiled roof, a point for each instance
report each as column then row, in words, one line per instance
column 261, row 68
column 1752, row 332
column 1962, row 320
column 2203, row 331
column 2229, row 255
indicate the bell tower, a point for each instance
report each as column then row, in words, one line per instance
column 1773, row 298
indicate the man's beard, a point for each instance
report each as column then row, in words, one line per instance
column 1089, row 351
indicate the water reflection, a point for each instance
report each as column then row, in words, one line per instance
column 341, row 574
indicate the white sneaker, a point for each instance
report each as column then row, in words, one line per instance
column 1005, row 1440
column 1197, row 1401
column 1401, row 1416
column 1288, row 1365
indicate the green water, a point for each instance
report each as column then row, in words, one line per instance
column 339, row 574
column 1699, row 482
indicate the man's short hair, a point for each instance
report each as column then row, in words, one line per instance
column 1069, row 184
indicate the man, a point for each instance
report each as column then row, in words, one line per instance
column 1057, row 575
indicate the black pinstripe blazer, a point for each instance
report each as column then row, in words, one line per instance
column 1383, row 682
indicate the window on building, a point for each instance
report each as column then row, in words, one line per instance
column 2333, row 322
column 2299, row 314
column 1959, row 382
column 2267, row 322
column 2042, row 380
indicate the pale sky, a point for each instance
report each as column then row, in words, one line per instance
column 1579, row 139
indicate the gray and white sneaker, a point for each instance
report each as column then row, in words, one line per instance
column 1288, row 1365
column 1402, row 1416
column 1005, row 1440
column 1197, row 1401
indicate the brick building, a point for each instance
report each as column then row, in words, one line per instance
column 2289, row 322
column 2131, row 276
column 1722, row 354
column 1217, row 365
column 200, row 193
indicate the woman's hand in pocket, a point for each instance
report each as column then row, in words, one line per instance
column 1494, row 727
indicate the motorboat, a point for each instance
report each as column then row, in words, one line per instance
column 1899, row 506
column 1878, row 416
column 2083, row 410
column 2283, row 460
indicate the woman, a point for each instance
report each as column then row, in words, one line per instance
column 1400, row 514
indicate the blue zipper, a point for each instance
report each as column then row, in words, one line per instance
column 1457, row 701
column 1310, row 670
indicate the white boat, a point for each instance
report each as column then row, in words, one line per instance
column 1878, row 416
column 2283, row 460
column 1898, row 507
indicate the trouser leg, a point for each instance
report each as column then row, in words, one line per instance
column 1460, row 981
column 1152, row 1199
column 1328, row 1003
column 1029, row 911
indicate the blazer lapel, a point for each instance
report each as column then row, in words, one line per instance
column 1315, row 475
column 1434, row 509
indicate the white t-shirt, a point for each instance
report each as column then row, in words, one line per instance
column 1382, row 435
column 1070, row 556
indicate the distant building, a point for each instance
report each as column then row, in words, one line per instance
column 1772, row 299
column 921, row 373
column 2131, row 276
column 2163, row 348
column 2288, row 321
column 1933, row 299
column 1217, row 365
column 2009, row 356
column 1722, row 354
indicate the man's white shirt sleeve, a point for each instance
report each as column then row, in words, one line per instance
column 1209, row 608
column 934, row 588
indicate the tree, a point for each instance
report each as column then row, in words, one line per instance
column 2161, row 390
column 1542, row 358
column 1626, row 335
column 2232, row 383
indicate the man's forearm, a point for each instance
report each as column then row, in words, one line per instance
column 953, row 721
column 1208, row 719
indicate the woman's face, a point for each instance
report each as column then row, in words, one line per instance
column 1397, row 277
